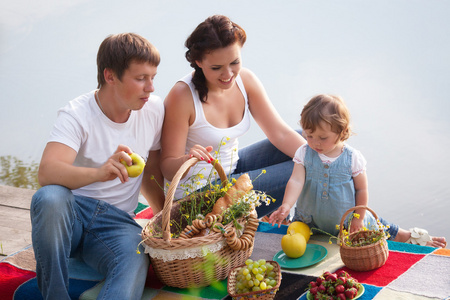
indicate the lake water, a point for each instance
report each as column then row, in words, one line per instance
column 388, row 59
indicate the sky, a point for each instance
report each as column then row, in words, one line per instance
column 297, row 48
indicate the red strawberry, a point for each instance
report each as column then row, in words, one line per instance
column 326, row 273
column 351, row 283
column 342, row 280
column 331, row 277
column 313, row 290
column 341, row 296
column 319, row 280
column 340, row 288
column 312, row 284
column 342, row 273
column 322, row 288
column 351, row 293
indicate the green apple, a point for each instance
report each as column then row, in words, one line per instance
column 137, row 165
column 293, row 244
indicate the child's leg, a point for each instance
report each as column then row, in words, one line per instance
column 393, row 229
column 404, row 236
column 401, row 235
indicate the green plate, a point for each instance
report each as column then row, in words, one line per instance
column 310, row 296
column 313, row 254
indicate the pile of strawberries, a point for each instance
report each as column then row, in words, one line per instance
column 334, row 286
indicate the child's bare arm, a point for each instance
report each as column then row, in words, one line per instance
column 293, row 190
column 361, row 198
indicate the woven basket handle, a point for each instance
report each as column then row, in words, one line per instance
column 173, row 186
column 341, row 227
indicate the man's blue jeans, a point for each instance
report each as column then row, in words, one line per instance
column 103, row 236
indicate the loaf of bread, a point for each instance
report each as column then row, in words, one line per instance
column 242, row 186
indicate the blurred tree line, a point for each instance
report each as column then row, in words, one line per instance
column 17, row 173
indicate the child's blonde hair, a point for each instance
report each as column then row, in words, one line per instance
column 329, row 109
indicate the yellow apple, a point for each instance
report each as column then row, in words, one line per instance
column 301, row 228
column 137, row 165
column 293, row 244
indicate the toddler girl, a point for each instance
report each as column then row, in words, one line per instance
column 329, row 176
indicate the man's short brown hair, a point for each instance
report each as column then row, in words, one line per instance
column 117, row 51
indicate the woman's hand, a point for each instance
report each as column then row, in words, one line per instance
column 279, row 215
column 202, row 153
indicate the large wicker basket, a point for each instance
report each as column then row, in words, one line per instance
column 203, row 260
column 267, row 294
column 364, row 258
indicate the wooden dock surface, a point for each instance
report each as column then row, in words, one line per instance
column 15, row 224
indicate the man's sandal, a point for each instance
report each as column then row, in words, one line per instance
column 419, row 236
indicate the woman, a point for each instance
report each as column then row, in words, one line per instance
column 209, row 109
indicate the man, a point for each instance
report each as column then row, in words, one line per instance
column 86, row 205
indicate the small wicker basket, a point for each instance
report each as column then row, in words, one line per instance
column 197, row 270
column 267, row 294
column 364, row 258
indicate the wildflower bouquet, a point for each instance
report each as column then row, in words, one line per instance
column 203, row 201
column 365, row 236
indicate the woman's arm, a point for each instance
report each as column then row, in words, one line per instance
column 277, row 131
column 361, row 198
column 179, row 115
column 57, row 167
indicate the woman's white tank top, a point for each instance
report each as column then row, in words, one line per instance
column 223, row 140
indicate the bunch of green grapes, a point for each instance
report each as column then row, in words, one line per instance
column 255, row 276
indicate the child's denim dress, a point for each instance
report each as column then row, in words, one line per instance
column 328, row 192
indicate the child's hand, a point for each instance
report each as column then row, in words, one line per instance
column 357, row 224
column 279, row 215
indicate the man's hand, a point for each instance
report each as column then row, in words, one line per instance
column 113, row 167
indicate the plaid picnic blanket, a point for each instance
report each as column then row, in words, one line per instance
column 411, row 272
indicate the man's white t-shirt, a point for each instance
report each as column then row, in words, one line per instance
column 82, row 126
